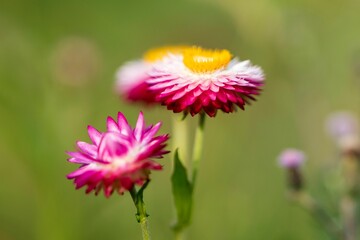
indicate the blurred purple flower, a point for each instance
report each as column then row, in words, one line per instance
column 342, row 124
column 291, row 158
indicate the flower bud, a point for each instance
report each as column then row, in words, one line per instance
column 292, row 159
column 344, row 127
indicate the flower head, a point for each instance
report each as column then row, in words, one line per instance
column 344, row 129
column 342, row 124
column 118, row 158
column 204, row 80
column 291, row 158
column 131, row 78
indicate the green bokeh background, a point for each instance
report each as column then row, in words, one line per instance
column 57, row 65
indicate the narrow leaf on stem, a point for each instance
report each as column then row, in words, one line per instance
column 182, row 193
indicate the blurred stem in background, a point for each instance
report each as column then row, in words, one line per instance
column 181, row 144
column 349, row 201
column 343, row 127
column 306, row 201
column 183, row 189
column 291, row 160
column 180, row 138
column 198, row 147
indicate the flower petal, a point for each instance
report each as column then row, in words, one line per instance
column 94, row 135
column 139, row 128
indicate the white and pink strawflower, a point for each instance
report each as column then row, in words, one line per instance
column 201, row 80
column 131, row 82
column 131, row 78
column 118, row 158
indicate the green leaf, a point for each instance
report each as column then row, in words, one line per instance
column 182, row 193
column 184, row 115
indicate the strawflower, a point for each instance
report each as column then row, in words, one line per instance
column 201, row 80
column 131, row 78
column 119, row 158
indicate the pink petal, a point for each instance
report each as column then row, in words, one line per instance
column 178, row 95
column 139, row 128
column 112, row 146
column 112, row 126
column 150, row 134
column 94, row 135
column 78, row 157
column 214, row 88
column 87, row 148
column 124, row 125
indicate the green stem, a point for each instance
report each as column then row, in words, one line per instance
column 145, row 228
column 179, row 235
column 181, row 144
column 348, row 212
column 180, row 138
column 141, row 215
column 198, row 147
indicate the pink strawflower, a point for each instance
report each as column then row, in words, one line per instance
column 205, row 80
column 131, row 78
column 291, row 158
column 131, row 82
column 118, row 158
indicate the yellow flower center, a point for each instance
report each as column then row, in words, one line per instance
column 157, row 54
column 202, row 60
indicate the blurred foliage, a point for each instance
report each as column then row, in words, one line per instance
column 57, row 66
